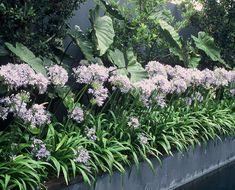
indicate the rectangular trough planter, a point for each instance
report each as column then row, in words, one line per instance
column 172, row 173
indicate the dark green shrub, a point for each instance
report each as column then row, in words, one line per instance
column 40, row 25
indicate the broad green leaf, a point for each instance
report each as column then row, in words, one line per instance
column 82, row 42
column 172, row 36
column 27, row 56
column 137, row 72
column 113, row 10
column 117, row 58
column 103, row 31
column 194, row 61
column 206, row 43
column 128, row 64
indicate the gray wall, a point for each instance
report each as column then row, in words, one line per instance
column 172, row 173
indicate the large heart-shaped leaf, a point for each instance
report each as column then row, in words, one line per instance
column 206, row 43
column 127, row 64
column 137, row 72
column 27, row 56
column 169, row 33
column 102, row 30
column 82, row 42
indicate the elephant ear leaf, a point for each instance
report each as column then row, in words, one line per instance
column 127, row 64
column 27, row 56
column 134, row 68
column 206, row 43
column 171, row 36
column 82, row 42
column 102, row 30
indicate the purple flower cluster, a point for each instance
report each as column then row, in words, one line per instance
column 95, row 75
column 39, row 149
column 58, row 75
column 165, row 79
column 18, row 103
column 91, row 134
column 142, row 139
column 21, row 75
column 100, row 94
column 92, row 73
column 82, row 156
column 133, row 123
column 121, row 82
column 77, row 115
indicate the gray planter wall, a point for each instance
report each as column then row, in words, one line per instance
column 172, row 173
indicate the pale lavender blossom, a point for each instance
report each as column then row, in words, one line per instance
column 143, row 139
column 197, row 76
column 155, row 68
column 178, row 85
column 40, row 81
column 39, row 149
column 100, row 94
column 188, row 101
column 58, row 75
column 82, row 156
column 83, row 74
column 198, row 96
column 223, row 77
column 209, row 77
column 133, row 122
column 77, row 115
column 91, row 134
column 160, row 99
column 17, row 104
column 21, row 75
column 91, row 73
column 121, row 82
column 16, row 75
column 181, row 72
column 162, row 83
column 36, row 116
column 4, row 112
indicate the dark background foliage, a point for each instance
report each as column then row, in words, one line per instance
column 218, row 19
column 39, row 24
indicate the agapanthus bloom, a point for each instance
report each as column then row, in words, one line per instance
column 143, row 139
column 91, row 73
column 146, row 87
column 21, row 75
column 121, row 82
column 163, row 84
column 16, row 75
column 77, row 114
column 179, row 85
column 40, row 81
column 232, row 91
column 160, row 99
column 198, row 96
column 99, row 94
column 91, row 134
column 82, row 156
column 39, row 149
column 155, row 68
column 188, row 101
column 133, row 122
column 36, row 116
column 58, row 75
column 16, row 104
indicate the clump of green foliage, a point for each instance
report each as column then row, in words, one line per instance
column 217, row 18
column 40, row 25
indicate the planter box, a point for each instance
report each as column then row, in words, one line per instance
column 174, row 171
